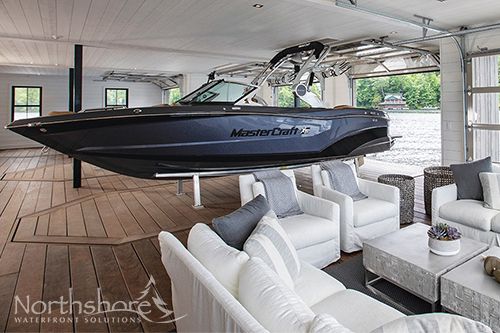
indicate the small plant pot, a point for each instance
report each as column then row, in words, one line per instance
column 444, row 247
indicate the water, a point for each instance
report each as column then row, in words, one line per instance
column 421, row 141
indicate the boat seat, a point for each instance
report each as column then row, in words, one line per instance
column 60, row 113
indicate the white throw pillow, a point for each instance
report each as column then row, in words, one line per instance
column 222, row 260
column 433, row 322
column 491, row 189
column 270, row 242
column 325, row 323
column 270, row 301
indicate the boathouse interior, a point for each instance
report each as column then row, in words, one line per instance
column 76, row 232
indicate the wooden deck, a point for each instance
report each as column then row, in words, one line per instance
column 99, row 240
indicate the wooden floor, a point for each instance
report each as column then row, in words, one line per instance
column 99, row 240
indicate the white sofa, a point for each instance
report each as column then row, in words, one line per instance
column 315, row 234
column 364, row 219
column 469, row 216
column 208, row 306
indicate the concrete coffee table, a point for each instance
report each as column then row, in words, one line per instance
column 404, row 259
column 468, row 291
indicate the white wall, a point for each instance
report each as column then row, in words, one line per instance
column 452, row 113
column 55, row 98
column 336, row 91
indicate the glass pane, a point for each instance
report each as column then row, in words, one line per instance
column 110, row 97
column 20, row 112
column 486, row 71
column 121, row 97
column 487, row 143
column 174, row 95
column 225, row 92
column 285, row 97
column 21, row 96
column 34, row 96
column 33, row 111
column 486, row 108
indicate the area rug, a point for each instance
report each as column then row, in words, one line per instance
column 351, row 274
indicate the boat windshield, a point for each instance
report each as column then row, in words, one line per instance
column 218, row 92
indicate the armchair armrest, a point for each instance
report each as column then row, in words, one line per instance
column 379, row 191
column 344, row 202
column 318, row 207
column 440, row 196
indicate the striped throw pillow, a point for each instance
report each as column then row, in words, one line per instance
column 491, row 189
column 270, row 242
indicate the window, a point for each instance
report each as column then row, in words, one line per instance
column 116, row 97
column 26, row 102
column 285, row 96
column 174, row 95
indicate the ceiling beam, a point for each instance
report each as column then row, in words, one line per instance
column 123, row 46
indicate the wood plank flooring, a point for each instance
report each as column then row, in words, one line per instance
column 95, row 242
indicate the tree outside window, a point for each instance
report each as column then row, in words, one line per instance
column 26, row 102
column 174, row 95
column 116, row 97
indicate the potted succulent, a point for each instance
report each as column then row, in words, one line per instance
column 444, row 240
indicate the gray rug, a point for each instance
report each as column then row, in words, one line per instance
column 351, row 274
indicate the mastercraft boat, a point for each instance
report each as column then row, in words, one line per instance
column 220, row 128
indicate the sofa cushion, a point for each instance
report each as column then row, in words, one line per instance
column 466, row 177
column 491, row 189
column 368, row 312
column 495, row 223
column 306, row 230
column 372, row 210
column 270, row 301
column 270, row 242
column 433, row 322
column 313, row 285
column 468, row 212
column 324, row 323
column 222, row 260
column 234, row 228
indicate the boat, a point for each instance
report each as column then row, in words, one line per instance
column 220, row 128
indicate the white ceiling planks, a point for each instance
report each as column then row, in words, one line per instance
column 195, row 35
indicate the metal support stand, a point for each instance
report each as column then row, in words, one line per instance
column 180, row 187
column 197, row 192
column 78, row 77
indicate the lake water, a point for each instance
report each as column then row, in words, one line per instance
column 421, row 141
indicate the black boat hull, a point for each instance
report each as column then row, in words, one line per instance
column 158, row 142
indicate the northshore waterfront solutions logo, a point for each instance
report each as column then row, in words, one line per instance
column 70, row 310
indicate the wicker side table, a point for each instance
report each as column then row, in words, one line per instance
column 436, row 176
column 406, row 185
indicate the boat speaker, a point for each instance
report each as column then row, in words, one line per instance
column 301, row 90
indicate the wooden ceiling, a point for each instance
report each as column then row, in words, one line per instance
column 184, row 36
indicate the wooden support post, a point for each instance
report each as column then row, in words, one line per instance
column 78, row 63
column 197, row 192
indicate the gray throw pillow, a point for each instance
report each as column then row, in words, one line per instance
column 236, row 227
column 466, row 177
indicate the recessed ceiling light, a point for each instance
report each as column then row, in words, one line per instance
column 393, row 33
column 258, row 5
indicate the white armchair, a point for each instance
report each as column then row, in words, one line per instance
column 363, row 219
column 469, row 216
column 315, row 234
